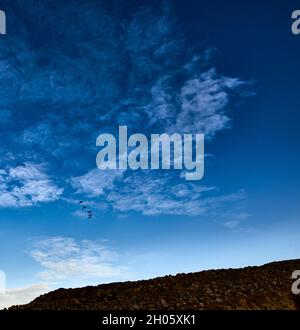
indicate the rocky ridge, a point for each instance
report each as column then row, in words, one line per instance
column 262, row 287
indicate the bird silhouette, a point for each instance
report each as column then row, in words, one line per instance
column 86, row 209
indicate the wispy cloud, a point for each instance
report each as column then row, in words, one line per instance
column 198, row 104
column 20, row 296
column 95, row 182
column 137, row 70
column 234, row 220
column 156, row 193
column 65, row 259
column 26, row 185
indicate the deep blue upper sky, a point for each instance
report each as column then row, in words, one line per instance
column 70, row 70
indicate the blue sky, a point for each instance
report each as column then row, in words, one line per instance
column 74, row 69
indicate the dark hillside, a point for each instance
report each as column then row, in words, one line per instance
column 263, row 287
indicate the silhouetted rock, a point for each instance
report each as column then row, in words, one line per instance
column 264, row 287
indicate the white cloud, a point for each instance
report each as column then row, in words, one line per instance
column 26, row 185
column 232, row 224
column 65, row 259
column 95, row 181
column 153, row 194
column 163, row 85
column 150, row 193
column 203, row 100
column 234, row 220
column 198, row 104
column 23, row 295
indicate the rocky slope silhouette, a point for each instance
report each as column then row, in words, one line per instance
column 263, row 287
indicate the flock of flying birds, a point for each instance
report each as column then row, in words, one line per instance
column 85, row 208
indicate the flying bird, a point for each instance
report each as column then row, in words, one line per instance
column 85, row 208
